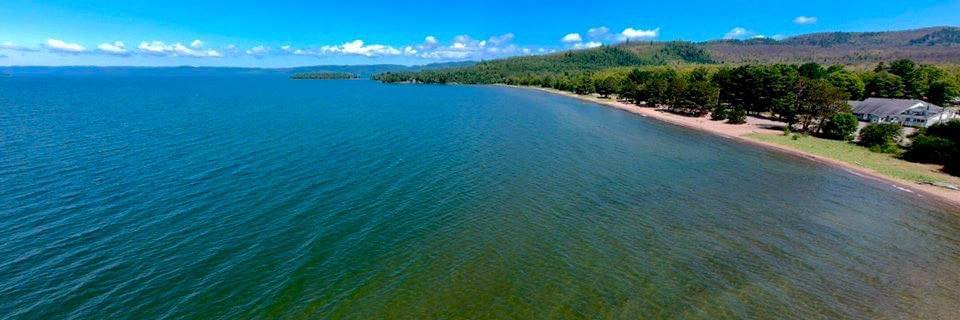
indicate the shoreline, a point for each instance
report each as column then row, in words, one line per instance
column 754, row 125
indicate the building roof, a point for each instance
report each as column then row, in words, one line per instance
column 883, row 107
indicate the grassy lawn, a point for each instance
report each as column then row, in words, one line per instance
column 885, row 164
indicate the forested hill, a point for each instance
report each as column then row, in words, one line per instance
column 922, row 37
column 937, row 45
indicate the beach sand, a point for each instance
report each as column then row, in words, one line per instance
column 763, row 126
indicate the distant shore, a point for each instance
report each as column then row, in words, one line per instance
column 761, row 126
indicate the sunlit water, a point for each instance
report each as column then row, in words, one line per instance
column 261, row 197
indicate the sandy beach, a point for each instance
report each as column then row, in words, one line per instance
column 762, row 126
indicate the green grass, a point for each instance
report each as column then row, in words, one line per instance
column 885, row 164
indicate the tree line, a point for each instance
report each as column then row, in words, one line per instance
column 323, row 75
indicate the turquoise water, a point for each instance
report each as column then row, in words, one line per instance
column 261, row 197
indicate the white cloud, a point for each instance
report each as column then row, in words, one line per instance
column 196, row 44
column 115, row 48
column 7, row 45
column 154, row 47
column 588, row 45
column 572, row 38
column 501, row 39
column 805, row 20
column 598, row 33
column 258, row 51
column 460, row 48
column 445, row 54
column 358, row 47
column 409, row 51
column 465, row 47
column 159, row 48
column 739, row 33
column 64, row 47
column 462, row 41
column 182, row 50
column 639, row 34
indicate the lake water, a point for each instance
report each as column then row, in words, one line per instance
column 261, row 197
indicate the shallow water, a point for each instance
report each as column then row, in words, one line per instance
column 261, row 197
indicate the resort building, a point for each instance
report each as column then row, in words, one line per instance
column 910, row 113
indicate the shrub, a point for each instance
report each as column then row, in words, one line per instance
column 947, row 130
column 953, row 165
column 881, row 137
column 939, row 143
column 840, row 126
column 737, row 116
column 718, row 113
column 930, row 149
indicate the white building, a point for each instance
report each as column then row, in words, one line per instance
column 910, row 113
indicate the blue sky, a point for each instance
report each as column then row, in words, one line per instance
column 292, row 33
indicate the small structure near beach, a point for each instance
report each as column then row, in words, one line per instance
column 910, row 113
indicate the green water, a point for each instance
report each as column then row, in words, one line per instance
column 260, row 197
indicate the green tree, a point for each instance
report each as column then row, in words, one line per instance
column 719, row 113
column 657, row 87
column 840, row 126
column 583, row 85
column 816, row 101
column 725, row 81
column 909, row 75
column 881, row 137
column 737, row 116
column 939, row 144
column 848, row 82
column 701, row 93
column 930, row 149
column 949, row 130
column 953, row 165
column 942, row 91
column 677, row 99
column 781, row 88
column 605, row 86
column 812, row 70
column 884, row 85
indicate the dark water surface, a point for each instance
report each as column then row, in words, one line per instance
column 261, row 197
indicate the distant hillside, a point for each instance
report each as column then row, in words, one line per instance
column 323, row 75
column 887, row 38
column 928, row 45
